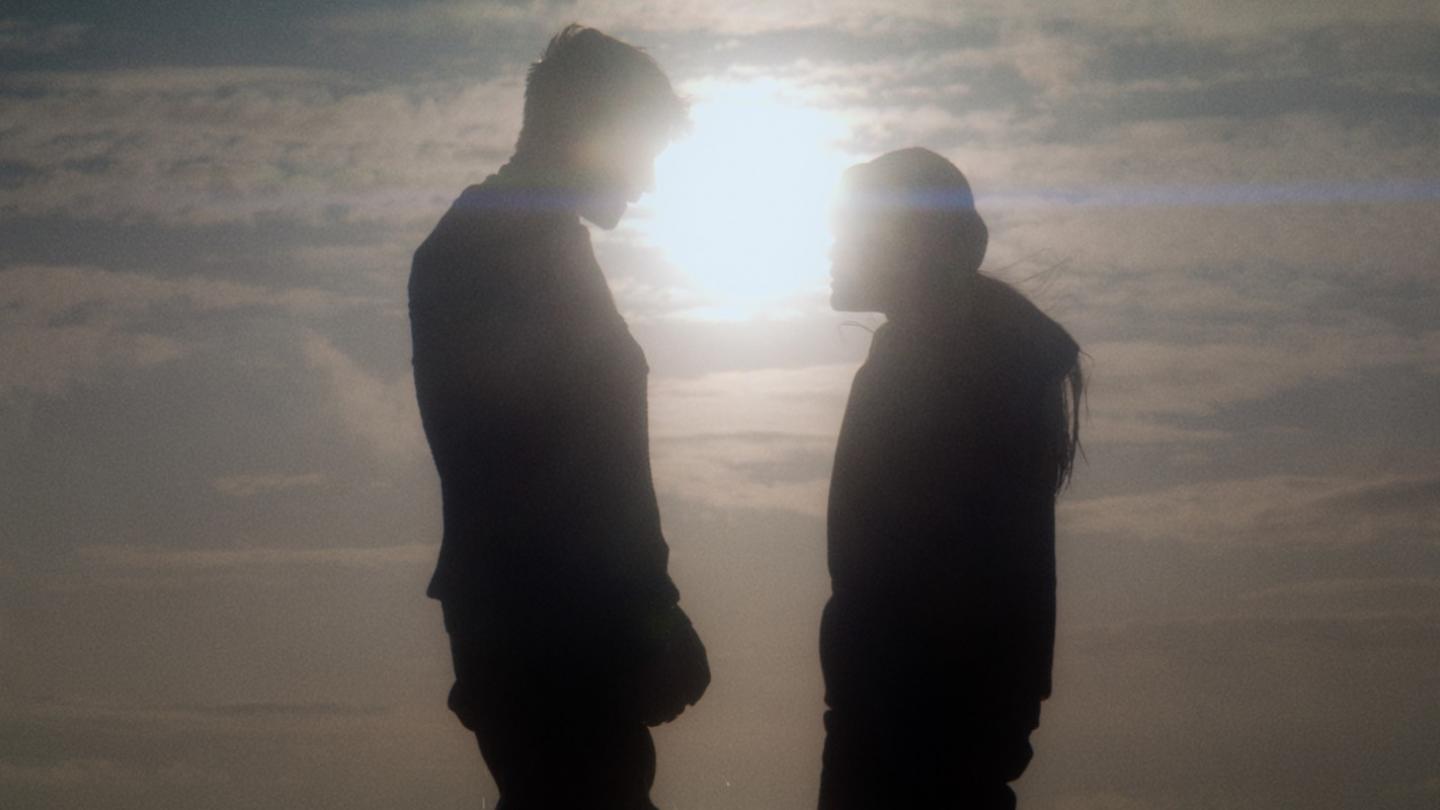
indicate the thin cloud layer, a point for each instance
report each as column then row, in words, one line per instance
column 220, row 513
column 248, row 486
column 69, row 325
column 1278, row 510
column 381, row 412
column 206, row 145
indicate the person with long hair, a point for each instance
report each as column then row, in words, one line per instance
column 961, row 428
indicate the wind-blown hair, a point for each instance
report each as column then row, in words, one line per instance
column 587, row 80
column 1072, row 397
column 1049, row 351
column 928, row 199
column 1057, row 357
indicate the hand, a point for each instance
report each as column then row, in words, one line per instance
column 673, row 671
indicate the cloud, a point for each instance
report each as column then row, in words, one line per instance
column 1104, row 801
column 46, row 293
column 144, row 558
column 72, row 774
column 50, row 360
column 1365, row 595
column 1191, row 638
column 66, row 773
column 205, row 145
column 383, row 413
column 1177, row 379
column 247, row 486
column 64, row 326
column 1238, row 198
column 151, row 721
column 480, row 20
column 754, row 472
column 282, row 753
column 1106, row 428
column 296, row 710
column 1170, row 353
column 1205, row 219
column 1045, row 111
column 759, row 439
column 24, row 37
column 1142, row 382
column 1275, row 511
column 858, row 17
column 804, row 402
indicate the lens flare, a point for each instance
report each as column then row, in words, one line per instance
column 740, row 203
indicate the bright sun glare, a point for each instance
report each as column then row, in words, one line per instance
column 740, row 203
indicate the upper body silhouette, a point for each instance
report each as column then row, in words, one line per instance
column 936, row 644
column 532, row 394
column 565, row 628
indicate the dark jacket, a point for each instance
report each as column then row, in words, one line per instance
column 533, row 397
column 941, row 524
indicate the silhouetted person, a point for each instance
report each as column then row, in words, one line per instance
column 960, row 429
column 566, row 633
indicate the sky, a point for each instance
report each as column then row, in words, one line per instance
column 218, row 514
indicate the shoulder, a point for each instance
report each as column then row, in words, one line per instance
column 493, row 236
column 496, row 213
column 1022, row 341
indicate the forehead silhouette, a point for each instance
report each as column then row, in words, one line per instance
column 913, row 179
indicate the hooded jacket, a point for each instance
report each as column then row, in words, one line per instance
column 941, row 515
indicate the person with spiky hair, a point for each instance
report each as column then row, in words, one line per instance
column 960, row 430
column 566, row 633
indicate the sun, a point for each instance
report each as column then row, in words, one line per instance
column 740, row 203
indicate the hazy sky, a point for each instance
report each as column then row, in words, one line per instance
column 217, row 513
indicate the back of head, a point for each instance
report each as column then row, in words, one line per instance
column 586, row 81
column 926, row 197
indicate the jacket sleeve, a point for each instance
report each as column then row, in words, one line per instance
column 990, row 531
column 1013, row 520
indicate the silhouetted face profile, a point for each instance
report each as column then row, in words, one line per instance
column 597, row 114
column 905, row 229
column 616, row 167
column 867, row 263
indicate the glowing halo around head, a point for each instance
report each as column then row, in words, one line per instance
column 741, row 201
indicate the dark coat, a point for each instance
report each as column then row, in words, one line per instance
column 941, row 520
column 533, row 397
